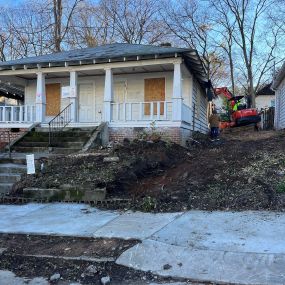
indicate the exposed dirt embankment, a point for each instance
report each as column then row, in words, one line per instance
column 136, row 160
column 241, row 171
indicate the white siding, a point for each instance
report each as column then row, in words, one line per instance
column 282, row 109
column 134, row 84
column 280, row 106
column 200, row 105
column 264, row 101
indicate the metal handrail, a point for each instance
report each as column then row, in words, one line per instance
column 59, row 122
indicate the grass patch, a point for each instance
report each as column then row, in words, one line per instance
column 281, row 187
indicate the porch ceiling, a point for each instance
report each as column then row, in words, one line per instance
column 101, row 72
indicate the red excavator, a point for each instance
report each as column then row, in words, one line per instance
column 238, row 114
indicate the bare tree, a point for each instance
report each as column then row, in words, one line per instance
column 225, row 28
column 62, row 24
column 248, row 15
column 135, row 21
column 91, row 26
column 189, row 23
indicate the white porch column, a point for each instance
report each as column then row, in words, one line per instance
column 73, row 96
column 40, row 98
column 108, row 94
column 177, row 92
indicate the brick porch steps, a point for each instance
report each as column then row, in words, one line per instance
column 64, row 142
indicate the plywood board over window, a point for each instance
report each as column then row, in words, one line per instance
column 52, row 99
column 154, row 90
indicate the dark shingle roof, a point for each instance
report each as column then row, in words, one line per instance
column 110, row 51
column 265, row 90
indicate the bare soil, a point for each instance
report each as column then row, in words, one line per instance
column 245, row 170
column 64, row 246
column 43, row 256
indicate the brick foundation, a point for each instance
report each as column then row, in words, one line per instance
column 6, row 132
column 174, row 134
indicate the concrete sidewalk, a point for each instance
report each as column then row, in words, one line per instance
column 230, row 247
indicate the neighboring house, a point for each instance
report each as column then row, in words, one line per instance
column 279, row 87
column 265, row 97
column 128, row 86
column 11, row 94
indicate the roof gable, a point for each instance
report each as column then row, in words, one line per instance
column 265, row 90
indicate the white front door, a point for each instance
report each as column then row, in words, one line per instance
column 120, row 92
column 86, row 102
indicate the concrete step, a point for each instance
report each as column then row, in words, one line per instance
column 5, row 188
column 12, row 168
column 9, row 178
column 74, row 144
column 60, row 134
column 61, row 139
column 45, row 129
column 32, row 144
column 63, row 150
column 69, row 144
column 30, row 149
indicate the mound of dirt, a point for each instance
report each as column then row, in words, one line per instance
column 230, row 174
column 239, row 172
column 137, row 159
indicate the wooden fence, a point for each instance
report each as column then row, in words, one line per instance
column 267, row 118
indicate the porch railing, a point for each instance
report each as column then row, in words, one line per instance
column 142, row 111
column 17, row 114
column 58, row 123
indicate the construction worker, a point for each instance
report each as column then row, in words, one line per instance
column 214, row 122
column 237, row 103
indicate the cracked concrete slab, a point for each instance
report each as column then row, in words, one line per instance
column 206, row 265
column 135, row 225
column 230, row 247
column 58, row 219
column 11, row 213
column 258, row 232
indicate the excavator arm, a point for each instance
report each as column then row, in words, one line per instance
column 224, row 91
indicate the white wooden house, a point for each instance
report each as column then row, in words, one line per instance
column 128, row 86
column 279, row 87
column 265, row 97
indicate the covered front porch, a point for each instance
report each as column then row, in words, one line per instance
column 121, row 92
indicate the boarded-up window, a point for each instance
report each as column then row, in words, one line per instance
column 52, row 99
column 154, row 90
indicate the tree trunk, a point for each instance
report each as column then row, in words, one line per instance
column 57, row 12
column 251, row 88
column 232, row 70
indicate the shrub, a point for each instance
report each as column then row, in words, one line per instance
column 148, row 204
column 281, row 187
